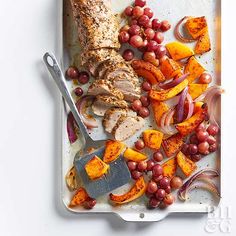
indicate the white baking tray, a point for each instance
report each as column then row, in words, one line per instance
column 172, row 10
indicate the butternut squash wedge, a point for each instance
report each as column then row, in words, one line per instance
column 79, row 198
column 204, row 44
column 153, row 138
column 135, row 192
column 185, row 164
column 170, row 68
column 113, row 150
column 195, row 90
column 133, row 155
column 179, row 51
column 169, row 167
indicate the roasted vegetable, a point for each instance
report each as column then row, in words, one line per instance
column 196, row 26
column 113, row 150
column 172, row 145
column 159, row 108
column 135, row 192
column 71, row 181
column 194, row 68
column 170, row 68
column 185, row 164
column 195, row 90
column 179, row 51
column 169, row 167
column 192, row 123
column 96, row 168
column 133, row 155
column 197, row 107
column 152, row 138
column 79, row 198
column 169, row 93
column 204, row 44
column 148, row 71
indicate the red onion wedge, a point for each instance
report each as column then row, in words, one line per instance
column 71, row 128
column 190, row 106
column 166, row 118
column 205, row 176
column 82, row 105
column 180, row 106
column 173, row 82
column 177, row 33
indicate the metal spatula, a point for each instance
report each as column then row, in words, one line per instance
column 118, row 174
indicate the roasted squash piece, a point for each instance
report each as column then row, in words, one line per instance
column 197, row 106
column 148, row 71
column 185, row 164
column 173, row 144
column 113, row 150
column 179, row 51
column 192, row 123
column 169, row 167
column 135, row 192
column 159, row 108
column 194, row 68
column 170, row 68
column 195, row 90
column 133, row 155
column 196, row 26
column 164, row 95
column 153, row 138
column 204, row 44
column 79, row 198
column 96, row 168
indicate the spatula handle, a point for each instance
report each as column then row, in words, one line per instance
column 57, row 75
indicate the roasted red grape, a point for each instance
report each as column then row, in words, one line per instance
column 145, row 101
column 149, row 24
column 169, row 199
column 158, row 37
column 142, row 166
column 153, row 203
column 144, row 112
column 201, row 127
column 78, row 91
column 213, row 130
column 137, row 12
column 196, row 157
column 125, row 28
column 157, row 179
column 146, row 86
column 205, row 78
column 149, row 56
column 128, row 11
column 139, row 144
column 157, row 170
column 160, row 194
column 124, row 37
column 132, row 165
column 168, row 189
column 128, row 54
column 152, row 187
column 136, row 174
column 160, row 51
column 134, row 30
column 203, row 148
column 90, row 203
column 157, row 156
column 136, row 105
column 163, row 59
column 152, row 46
column 136, row 41
column 185, row 149
column 72, row 73
column 165, row 25
column 150, row 33
column 140, row 3
column 133, row 22
column 143, row 20
column 176, row 182
column 211, row 140
column 194, row 139
column 150, row 165
column 156, row 24
column 83, row 77
column 202, row 135
column 213, row 147
column 192, row 149
column 148, row 12
column 164, row 182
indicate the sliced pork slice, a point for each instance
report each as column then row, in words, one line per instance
column 113, row 115
column 104, row 102
column 97, row 25
column 127, row 126
column 104, row 87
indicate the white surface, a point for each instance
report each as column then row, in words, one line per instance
column 29, row 137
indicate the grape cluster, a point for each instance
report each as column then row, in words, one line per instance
column 202, row 142
column 144, row 33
